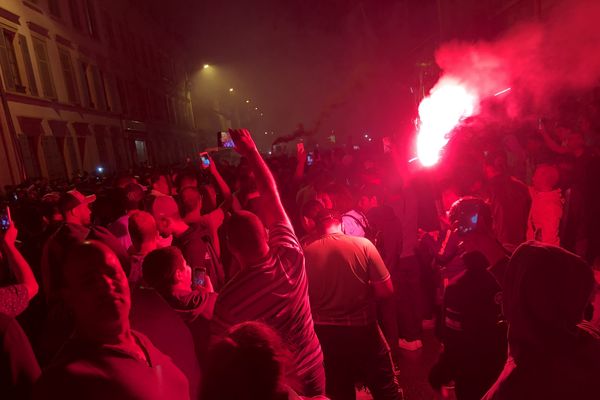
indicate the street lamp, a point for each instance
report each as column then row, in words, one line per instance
column 247, row 101
column 230, row 90
column 206, row 66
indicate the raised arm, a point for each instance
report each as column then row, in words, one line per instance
column 17, row 263
column 301, row 162
column 274, row 211
column 551, row 143
column 221, row 184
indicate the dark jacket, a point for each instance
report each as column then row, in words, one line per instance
column 18, row 366
column 553, row 355
column 474, row 338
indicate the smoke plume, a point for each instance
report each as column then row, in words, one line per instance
column 539, row 60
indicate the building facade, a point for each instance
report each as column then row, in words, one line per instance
column 89, row 84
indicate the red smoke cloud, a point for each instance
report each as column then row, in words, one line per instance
column 538, row 60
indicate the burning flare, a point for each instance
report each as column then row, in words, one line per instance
column 448, row 103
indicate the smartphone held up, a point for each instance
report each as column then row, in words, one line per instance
column 204, row 160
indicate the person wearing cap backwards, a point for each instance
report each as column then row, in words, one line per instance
column 105, row 358
column 76, row 228
column 346, row 276
column 553, row 353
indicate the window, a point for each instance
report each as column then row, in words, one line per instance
column 69, row 75
column 41, row 52
column 122, row 91
column 33, row 90
column 75, row 16
column 8, row 61
column 85, row 84
column 98, row 88
column 54, row 8
column 90, row 16
column 112, row 93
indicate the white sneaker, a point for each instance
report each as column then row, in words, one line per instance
column 410, row 345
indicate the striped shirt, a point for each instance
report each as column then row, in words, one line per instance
column 274, row 292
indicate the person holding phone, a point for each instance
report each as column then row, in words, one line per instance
column 188, row 290
column 14, row 298
column 271, row 285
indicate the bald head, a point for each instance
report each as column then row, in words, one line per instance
column 246, row 237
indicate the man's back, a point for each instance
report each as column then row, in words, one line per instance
column 274, row 292
column 340, row 270
column 510, row 202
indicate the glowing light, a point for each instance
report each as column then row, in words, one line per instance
column 206, row 66
column 447, row 105
column 247, row 101
column 503, row 91
column 230, row 89
column 256, row 108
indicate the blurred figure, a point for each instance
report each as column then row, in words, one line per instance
column 144, row 238
column 509, row 200
column 553, row 354
column 194, row 240
column 346, row 275
column 271, row 285
column 579, row 228
column 473, row 338
column 132, row 197
column 472, row 223
column 354, row 221
column 249, row 363
column 105, row 358
column 166, row 271
column 546, row 206
column 160, row 185
column 77, row 227
column 192, row 202
column 308, row 215
column 14, row 298
column 18, row 367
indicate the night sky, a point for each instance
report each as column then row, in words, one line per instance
column 342, row 65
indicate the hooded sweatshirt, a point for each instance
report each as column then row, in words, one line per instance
column 552, row 353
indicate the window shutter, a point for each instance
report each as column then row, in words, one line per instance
column 33, row 89
column 9, row 79
column 100, row 98
column 69, row 76
column 41, row 52
column 85, row 84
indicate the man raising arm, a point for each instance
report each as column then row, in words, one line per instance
column 271, row 285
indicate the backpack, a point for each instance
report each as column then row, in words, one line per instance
column 375, row 236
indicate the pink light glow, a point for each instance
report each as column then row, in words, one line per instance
column 448, row 103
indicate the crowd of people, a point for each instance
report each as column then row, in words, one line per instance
column 275, row 279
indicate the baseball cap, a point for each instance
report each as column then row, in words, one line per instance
column 74, row 198
column 165, row 206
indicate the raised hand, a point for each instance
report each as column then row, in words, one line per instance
column 9, row 237
column 243, row 141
